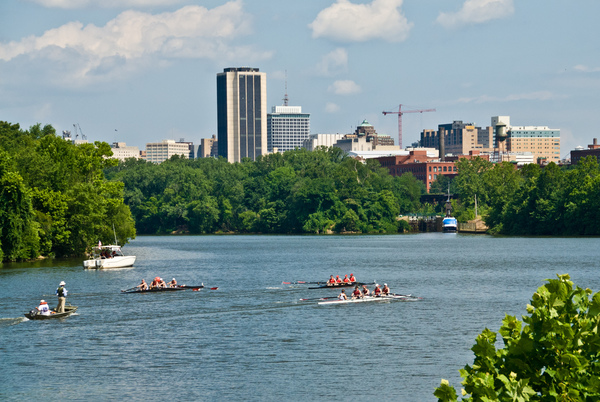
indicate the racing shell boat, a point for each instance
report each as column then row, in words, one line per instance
column 364, row 299
column 152, row 290
column 35, row 315
column 340, row 285
column 109, row 256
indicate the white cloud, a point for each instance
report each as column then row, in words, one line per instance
column 135, row 40
column 477, row 12
column 535, row 96
column 333, row 62
column 331, row 107
column 348, row 22
column 71, row 4
column 344, row 87
column 586, row 69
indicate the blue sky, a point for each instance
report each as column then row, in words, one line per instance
column 145, row 70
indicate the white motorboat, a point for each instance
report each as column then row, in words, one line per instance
column 109, row 256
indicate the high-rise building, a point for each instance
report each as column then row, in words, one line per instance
column 241, row 113
column 287, row 128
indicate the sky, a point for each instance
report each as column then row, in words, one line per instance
column 140, row 71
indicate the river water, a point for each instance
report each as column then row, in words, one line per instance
column 253, row 339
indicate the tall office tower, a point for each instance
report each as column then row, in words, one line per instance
column 287, row 128
column 241, row 113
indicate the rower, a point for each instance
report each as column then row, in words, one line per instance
column 162, row 283
column 331, row 281
column 143, row 285
column 346, row 279
column 357, row 293
column 377, row 290
column 342, row 295
column 337, row 279
column 365, row 290
column 173, row 283
column 385, row 290
column 43, row 308
column 352, row 278
column 154, row 283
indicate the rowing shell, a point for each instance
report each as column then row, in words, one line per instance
column 341, row 285
column 373, row 298
column 182, row 287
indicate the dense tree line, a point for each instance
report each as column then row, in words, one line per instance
column 54, row 200
column 298, row 191
column 531, row 200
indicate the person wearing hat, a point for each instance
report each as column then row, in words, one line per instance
column 377, row 290
column 385, row 290
column 61, row 292
column 352, row 278
column 173, row 283
column 43, row 308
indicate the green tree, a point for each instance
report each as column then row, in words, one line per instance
column 553, row 355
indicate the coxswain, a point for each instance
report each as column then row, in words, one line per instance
column 43, row 308
column 173, row 283
column 377, row 290
column 365, row 290
column 342, row 295
column 356, row 294
column 331, row 281
column 346, row 279
column 143, row 285
column 352, row 278
column 385, row 290
column 338, row 280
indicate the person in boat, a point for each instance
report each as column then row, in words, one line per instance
column 356, row 294
column 338, row 280
column 162, row 283
column 385, row 291
column 346, row 279
column 143, row 285
column 331, row 281
column 342, row 295
column 154, row 283
column 61, row 292
column 377, row 290
column 43, row 308
column 365, row 291
column 173, row 283
column 352, row 278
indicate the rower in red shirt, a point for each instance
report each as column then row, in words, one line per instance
column 377, row 290
column 386, row 289
column 365, row 291
column 337, row 279
column 357, row 293
column 352, row 278
column 346, row 280
column 331, row 281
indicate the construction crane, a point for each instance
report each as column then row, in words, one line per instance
column 400, row 112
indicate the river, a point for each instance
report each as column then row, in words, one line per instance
column 253, row 339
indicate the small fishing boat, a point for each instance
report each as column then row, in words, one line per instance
column 35, row 315
column 449, row 223
column 364, row 299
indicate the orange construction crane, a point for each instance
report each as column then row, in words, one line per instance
column 400, row 112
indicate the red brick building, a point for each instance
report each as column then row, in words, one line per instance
column 424, row 168
column 593, row 150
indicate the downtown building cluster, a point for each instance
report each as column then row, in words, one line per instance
column 245, row 129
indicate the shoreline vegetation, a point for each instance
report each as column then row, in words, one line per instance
column 58, row 199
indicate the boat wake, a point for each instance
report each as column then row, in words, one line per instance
column 7, row 322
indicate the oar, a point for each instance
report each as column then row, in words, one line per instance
column 302, row 283
column 129, row 290
column 320, row 298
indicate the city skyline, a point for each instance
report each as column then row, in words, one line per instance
column 139, row 71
